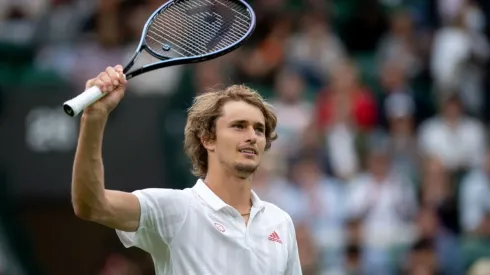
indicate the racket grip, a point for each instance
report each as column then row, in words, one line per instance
column 76, row 105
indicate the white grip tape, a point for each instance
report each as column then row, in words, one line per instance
column 75, row 106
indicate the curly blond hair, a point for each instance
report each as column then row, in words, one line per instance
column 202, row 116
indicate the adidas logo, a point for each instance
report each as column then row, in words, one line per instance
column 274, row 237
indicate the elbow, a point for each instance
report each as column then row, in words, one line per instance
column 83, row 212
column 89, row 212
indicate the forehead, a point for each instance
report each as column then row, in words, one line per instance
column 240, row 110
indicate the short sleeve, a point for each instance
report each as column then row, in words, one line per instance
column 163, row 213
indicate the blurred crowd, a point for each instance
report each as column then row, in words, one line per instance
column 382, row 158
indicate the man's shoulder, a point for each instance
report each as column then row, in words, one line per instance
column 431, row 124
column 274, row 212
column 164, row 193
column 160, row 190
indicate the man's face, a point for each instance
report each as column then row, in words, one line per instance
column 240, row 138
column 379, row 164
column 452, row 109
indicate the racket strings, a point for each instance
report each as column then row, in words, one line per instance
column 244, row 21
column 239, row 10
column 239, row 26
column 202, row 36
column 233, row 35
column 197, row 27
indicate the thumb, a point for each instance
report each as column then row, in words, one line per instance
column 90, row 83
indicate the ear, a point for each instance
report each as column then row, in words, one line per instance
column 208, row 143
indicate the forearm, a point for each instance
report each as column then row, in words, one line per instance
column 88, row 191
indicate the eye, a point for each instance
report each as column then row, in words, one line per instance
column 238, row 126
column 260, row 130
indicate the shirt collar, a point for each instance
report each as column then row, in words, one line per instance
column 216, row 202
column 257, row 202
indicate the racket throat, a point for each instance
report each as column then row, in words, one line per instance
column 128, row 67
column 142, row 69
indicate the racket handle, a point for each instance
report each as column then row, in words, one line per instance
column 76, row 105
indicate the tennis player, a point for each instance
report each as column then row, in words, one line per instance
column 219, row 226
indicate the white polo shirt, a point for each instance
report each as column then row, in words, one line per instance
column 193, row 232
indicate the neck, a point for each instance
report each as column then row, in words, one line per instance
column 233, row 190
column 452, row 120
column 380, row 177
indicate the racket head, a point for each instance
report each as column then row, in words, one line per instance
column 189, row 31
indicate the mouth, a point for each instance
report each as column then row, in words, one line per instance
column 249, row 151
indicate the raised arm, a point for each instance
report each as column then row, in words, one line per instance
column 91, row 201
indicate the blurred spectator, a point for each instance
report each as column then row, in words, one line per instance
column 315, row 48
column 385, row 202
column 449, row 10
column 308, row 252
column 93, row 51
column 268, row 179
column 261, row 63
column 475, row 197
column 455, row 138
column 438, row 190
column 293, row 113
column 446, row 244
column 322, row 204
column 399, row 109
column 401, row 43
column 64, row 20
column 459, row 53
column 422, row 259
column 346, row 100
column 394, row 81
column 435, row 183
column 344, row 109
column 18, row 20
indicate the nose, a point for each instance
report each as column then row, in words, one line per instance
column 251, row 136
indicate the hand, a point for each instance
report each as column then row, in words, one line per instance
column 111, row 81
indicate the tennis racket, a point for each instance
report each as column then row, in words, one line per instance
column 183, row 32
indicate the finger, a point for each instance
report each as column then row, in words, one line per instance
column 107, row 81
column 90, row 83
column 122, row 78
column 99, row 83
column 119, row 68
column 113, row 75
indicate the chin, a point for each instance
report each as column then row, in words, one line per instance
column 246, row 168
